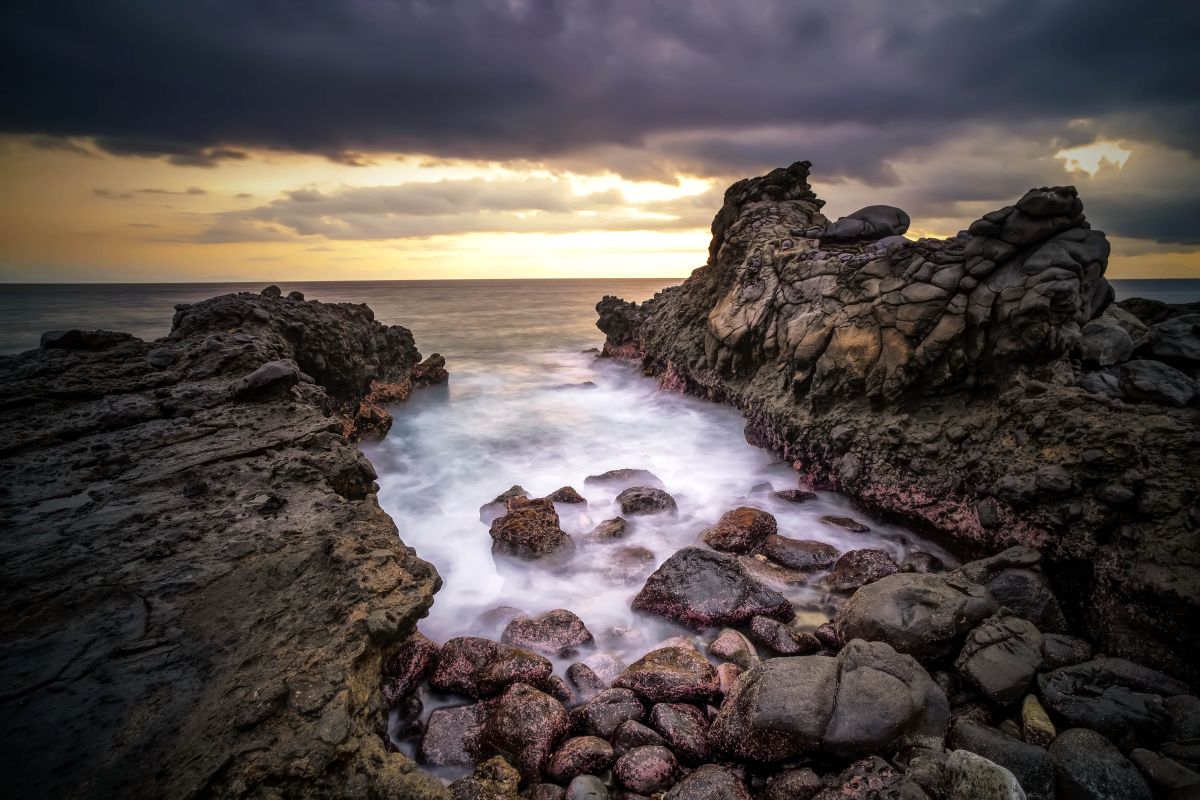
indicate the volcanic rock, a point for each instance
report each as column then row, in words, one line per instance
column 525, row 726
column 856, row 568
column 733, row 646
column 408, row 665
column 792, row 784
column 846, row 523
column 670, row 674
column 709, row 782
column 1090, row 767
column 702, row 589
column 618, row 479
column 646, row 770
column 579, row 756
column 794, row 495
column 530, row 532
column 604, row 713
column 555, row 633
column 494, row 779
column 480, row 668
column 1002, row 656
column 1153, row 380
column 645, row 500
column 784, row 640
column 869, row 698
column 1029, row 763
column 870, row 779
column 684, row 728
column 925, row 616
column 804, row 555
column 742, row 530
column 454, row 735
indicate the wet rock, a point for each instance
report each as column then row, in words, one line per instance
column 829, row 635
column 480, row 668
column 869, row 698
column 494, row 779
column 604, row 713
column 567, row 495
column 741, row 530
column 408, row 665
column 1001, row 656
column 846, row 524
column 606, row 666
column 646, row 770
column 806, row 555
column 670, row 674
column 783, row 639
column 627, row 565
column 1120, row 699
column 870, row 779
column 771, row 574
column 684, row 728
column 1164, row 775
column 646, row 500
column 454, row 736
column 1089, row 767
column 794, row 495
column 526, row 725
column 1029, row 763
column 268, row 381
column 702, row 589
column 531, row 532
column 857, row 568
column 1064, row 651
column 1036, row 726
column 493, row 621
column 709, row 782
column 498, row 507
column 727, row 673
column 922, row 562
column 925, row 616
column 973, row 777
column 555, row 633
column 617, row 479
column 587, row 787
column 608, row 530
column 1157, row 382
column 792, row 784
column 585, row 681
column 558, row 688
column 581, row 755
column 733, row 646
column 632, row 734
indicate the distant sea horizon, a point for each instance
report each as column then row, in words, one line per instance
column 144, row 309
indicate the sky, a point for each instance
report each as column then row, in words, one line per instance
column 221, row 140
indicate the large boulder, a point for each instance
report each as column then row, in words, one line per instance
column 1176, row 340
column 868, row 699
column 1089, row 767
column 1144, row 379
column 925, row 616
column 525, row 726
column 1120, row 699
column 531, row 532
column 702, row 589
column 670, row 674
column 481, row 668
column 1104, row 343
column 1002, row 657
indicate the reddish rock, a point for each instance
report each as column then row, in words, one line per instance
column 670, row 674
column 567, row 495
column 526, row 725
column 685, row 729
column 608, row 530
column 845, row 523
column 605, row 712
column 702, row 589
column 408, row 665
column 585, row 681
column 581, row 755
column 555, row 633
column 783, row 639
column 859, row 567
column 494, row 779
column 710, row 782
column 646, row 770
column 531, row 532
column 480, row 668
column 606, row 666
column 801, row 554
column 741, row 530
column 499, row 504
column 829, row 635
column 727, row 673
column 627, row 565
column 632, row 734
column 646, row 500
column 617, row 479
column 870, row 779
column 793, row 784
column 454, row 736
column 733, row 646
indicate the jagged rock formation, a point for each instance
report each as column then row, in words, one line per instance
column 199, row 585
column 957, row 384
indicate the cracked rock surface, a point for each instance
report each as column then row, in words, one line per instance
column 199, row 585
column 979, row 386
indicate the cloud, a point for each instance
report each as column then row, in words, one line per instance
column 422, row 209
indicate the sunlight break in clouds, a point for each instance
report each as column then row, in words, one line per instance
column 1091, row 158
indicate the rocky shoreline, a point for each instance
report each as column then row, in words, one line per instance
column 199, row 584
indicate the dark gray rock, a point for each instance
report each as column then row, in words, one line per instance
column 742, row 530
column 1158, row 382
column 857, row 568
column 922, row 562
column 555, row 633
column 792, row 784
column 709, row 782
column 870, row 779
column 454, row 736
column 702, row 589
column 1089, row 767
column 684, row 728
column 670, row 674
column 783, row 639
column 525, row 726
column 925, row 616
column 617, row 479
column 806, row 555
column 1002, row 656
column 587, row 787
column 646, row 500
column 631, row 734
column 868, row 698
column 480, row 668
column 1059, row 650
column 646, row 770
column 972, row 777
column 872, row 222
column 1176, row 340
column 1104, row 344
column 1029, row 763
column 581, row 755
column 604, row 713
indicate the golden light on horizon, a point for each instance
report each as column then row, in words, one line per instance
column 1091, row 158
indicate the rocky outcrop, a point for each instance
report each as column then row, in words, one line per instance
column 199, row 585
column 978, row 386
